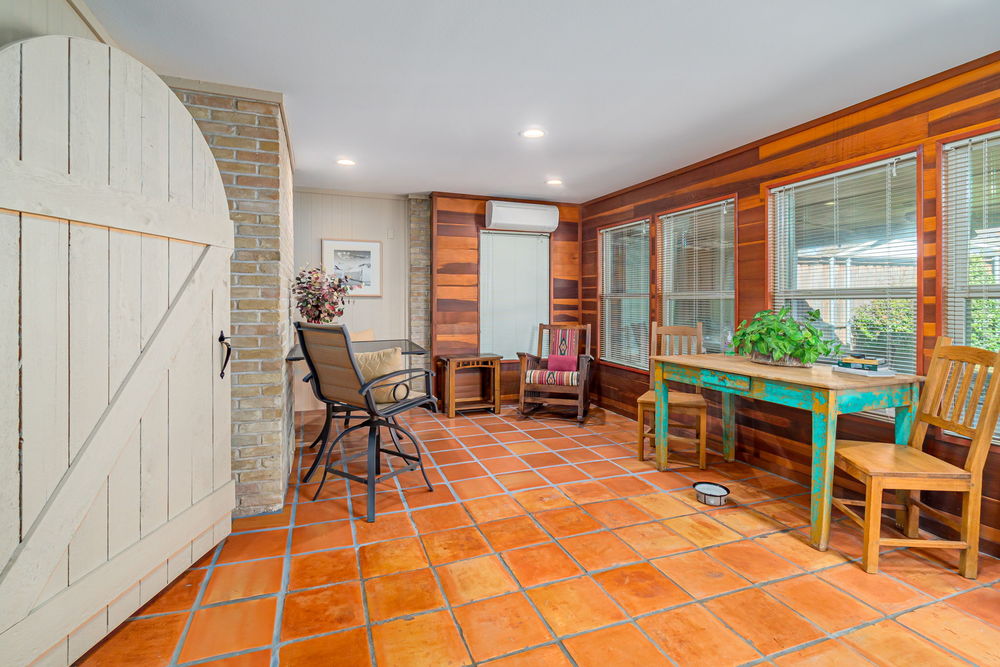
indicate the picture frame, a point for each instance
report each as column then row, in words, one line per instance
column 360, row 262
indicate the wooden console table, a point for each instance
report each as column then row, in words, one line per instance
column 825, row 393
column 452, row 364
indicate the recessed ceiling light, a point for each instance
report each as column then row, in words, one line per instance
column 554, row 181
column 345, row 162
column 533, row 133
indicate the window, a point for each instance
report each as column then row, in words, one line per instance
column 846, row 244
column 513, row 291
column 697, row 281
column 624, row 294
column 970, row 211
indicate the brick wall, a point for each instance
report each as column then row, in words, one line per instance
column 245, row 136
column 419, row 215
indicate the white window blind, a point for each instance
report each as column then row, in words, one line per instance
column 846, row 244
column 513, row 291
column 697, row 281
column 624, row 294
column 970, row 211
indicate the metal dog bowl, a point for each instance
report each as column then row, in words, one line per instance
column 711, row 493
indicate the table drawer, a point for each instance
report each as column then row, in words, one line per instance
column 723, row 381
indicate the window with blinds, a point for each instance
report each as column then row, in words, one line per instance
column 970, row 212
column 624, row 294
column 697, row 281
column 846, row 245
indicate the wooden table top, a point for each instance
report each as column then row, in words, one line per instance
column 821, row 376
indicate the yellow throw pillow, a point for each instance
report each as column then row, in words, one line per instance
column 378, row 363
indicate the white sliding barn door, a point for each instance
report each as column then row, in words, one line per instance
column 115, row 242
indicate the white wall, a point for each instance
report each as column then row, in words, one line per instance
column 359, row 217
column 21, row 19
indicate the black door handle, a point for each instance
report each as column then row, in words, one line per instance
column 224, row 339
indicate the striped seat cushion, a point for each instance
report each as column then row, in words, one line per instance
column 563, row 378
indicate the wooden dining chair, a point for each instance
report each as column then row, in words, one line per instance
column 959, row 380
column 674, row 340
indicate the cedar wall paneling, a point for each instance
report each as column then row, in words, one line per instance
column 457, row 221
column 962, row 101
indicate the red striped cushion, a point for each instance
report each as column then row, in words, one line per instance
column 563, row 378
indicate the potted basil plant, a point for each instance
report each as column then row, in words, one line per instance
column 777, row 338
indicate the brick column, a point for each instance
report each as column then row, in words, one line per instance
column 418, row 211
column 246, row 137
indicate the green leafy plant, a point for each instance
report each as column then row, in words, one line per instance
column 779, row 337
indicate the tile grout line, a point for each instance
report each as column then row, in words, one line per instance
column 550, row 485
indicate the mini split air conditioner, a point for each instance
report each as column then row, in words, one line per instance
column 520, row 217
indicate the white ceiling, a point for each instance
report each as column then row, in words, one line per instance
column 430, row 94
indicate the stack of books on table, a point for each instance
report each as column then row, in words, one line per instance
column 862, row 365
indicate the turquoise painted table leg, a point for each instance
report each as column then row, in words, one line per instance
column 824, row 440
column 728, row 426
column 661, row 418
column 905, row 415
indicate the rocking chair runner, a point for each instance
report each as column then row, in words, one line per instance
column 337, row 380
column 959, row 380
column 562, row 377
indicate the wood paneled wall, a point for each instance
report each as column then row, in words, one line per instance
column 918, row 117
column 456, row 221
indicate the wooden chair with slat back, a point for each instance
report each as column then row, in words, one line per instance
column 665, row 340
column 960, row 379
column 569, row 384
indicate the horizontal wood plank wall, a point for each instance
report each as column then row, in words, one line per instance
column 961, row 101
column 456, row 221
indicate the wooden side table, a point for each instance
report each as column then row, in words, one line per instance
column 454, row 363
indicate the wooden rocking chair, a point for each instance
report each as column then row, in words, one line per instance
column 562, row 377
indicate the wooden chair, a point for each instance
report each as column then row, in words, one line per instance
column 567, row 385
column 959, row 379
column 674, row 340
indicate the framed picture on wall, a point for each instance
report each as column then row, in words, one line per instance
column 359, row 262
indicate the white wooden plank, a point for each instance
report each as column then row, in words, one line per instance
column 202, row 171
column 57, row 656
column 154, row 581
column 10, row 105
column 64, row 511
column 155, row 293
column 155, row 137
column 182, row 258
column 45, row 103
column 153, row 455
column 58, row 578
column 182, row 387
column 123, row 606
column 37, row 190
column 203, row 377
column 180, row 154
column 222, row 424
column 10, row 386
column 88, row 634
column 202, row 544
column 180, row 561
column 124, row 498
column 125, row 141
column 124, row 297
column 44, row 361
column 29, row 637
column 88, row 111
column 88, row 547
column 88, row 324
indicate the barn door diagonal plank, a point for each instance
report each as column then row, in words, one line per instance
column 45, row 541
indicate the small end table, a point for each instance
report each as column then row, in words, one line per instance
column 453, row 363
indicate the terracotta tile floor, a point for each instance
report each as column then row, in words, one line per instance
column 545, row 543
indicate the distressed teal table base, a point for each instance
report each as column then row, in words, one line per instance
column 825, row 404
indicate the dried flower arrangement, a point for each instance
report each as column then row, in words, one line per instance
column 320, row 296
